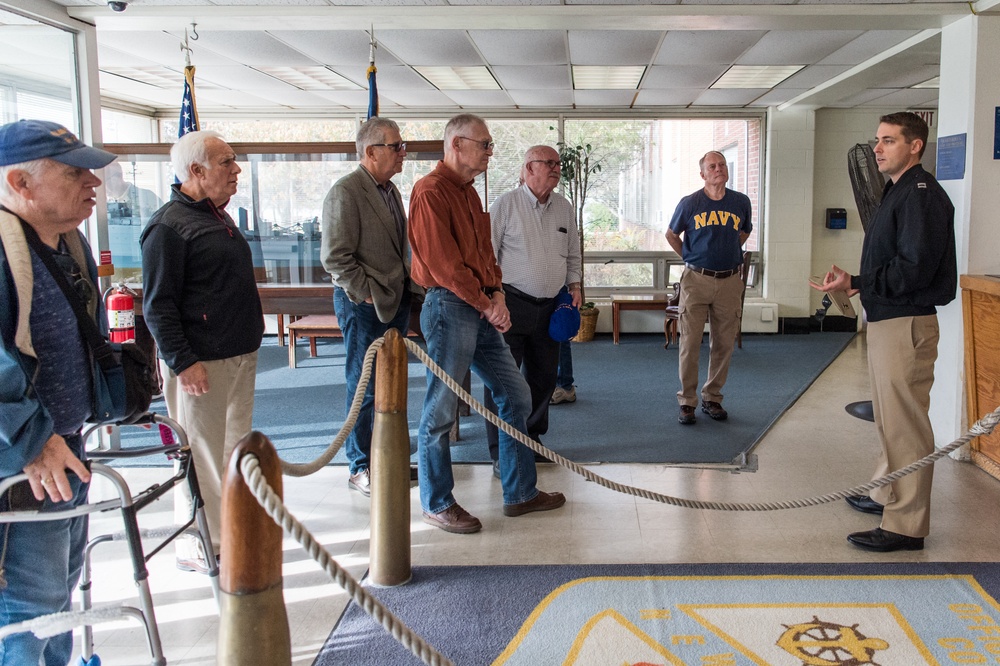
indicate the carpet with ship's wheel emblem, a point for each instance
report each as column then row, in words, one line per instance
column 893, row 614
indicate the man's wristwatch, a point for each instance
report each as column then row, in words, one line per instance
column 489, row 291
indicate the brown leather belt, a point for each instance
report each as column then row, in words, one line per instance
column 713, row 274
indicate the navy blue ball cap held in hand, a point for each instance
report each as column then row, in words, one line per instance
column 29, row 140
column 565, row 321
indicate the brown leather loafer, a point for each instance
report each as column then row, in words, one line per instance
column 454, row 519
column 884, row 541
column 540, row 502
column 714, row 410
column 686, row 416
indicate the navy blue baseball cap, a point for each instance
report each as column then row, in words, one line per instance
column 565, row 321
column 28, row 140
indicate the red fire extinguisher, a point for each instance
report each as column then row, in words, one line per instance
column 120, row 304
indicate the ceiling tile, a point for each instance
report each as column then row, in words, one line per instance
column 112, row 57
column 236, row 77
column 389, row 77
column 522, row 47
column 529, row 78
column 910, row 77
column 340, row 47
column 352, row 99
column 777, row 96
column 671, row 97
column 253, row 48
column 796, row 47
column 431, row 47
column 604, row 97
column 693, row 47
column 542, row 98
column 812, row 76
column 869, row 44
column 233, row 99
column 483, row 98
column 729, row 96
column 682, row 76
column 421, row 98
column 910, row 97
column 613, row 47
column 161, row 47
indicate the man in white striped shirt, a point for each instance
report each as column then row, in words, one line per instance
column 537, row 245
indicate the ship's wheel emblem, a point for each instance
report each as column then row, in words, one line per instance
column 819, row 643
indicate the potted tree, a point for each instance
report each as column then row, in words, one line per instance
column 578, row 165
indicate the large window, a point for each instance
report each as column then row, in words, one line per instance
column 37, row 72
column 646, row 165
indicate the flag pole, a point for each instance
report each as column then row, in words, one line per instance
column 372, row 88
column 189, row 110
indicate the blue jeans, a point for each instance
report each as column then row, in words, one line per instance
column 41, row 568
column 564, row 379
column 360, row 327
column 457, row 339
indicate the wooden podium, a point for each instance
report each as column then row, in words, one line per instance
column 981, row 314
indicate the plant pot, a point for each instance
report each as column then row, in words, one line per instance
column 588, row 324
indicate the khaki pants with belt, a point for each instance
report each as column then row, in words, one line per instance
column 901, row 356
column 214, row 423
column 717, row 301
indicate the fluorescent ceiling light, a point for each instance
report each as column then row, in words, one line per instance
column 600, row 77
column 929, row 83
column 310, row 78
column 755, row 76
column 459, row 78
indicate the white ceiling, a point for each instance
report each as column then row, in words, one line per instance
column 853, row 52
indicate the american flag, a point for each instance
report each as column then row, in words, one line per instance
column 372, row 91
column 189, row 112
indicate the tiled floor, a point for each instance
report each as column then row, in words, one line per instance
column 816, row 448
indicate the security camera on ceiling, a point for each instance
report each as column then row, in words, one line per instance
column 117, row 5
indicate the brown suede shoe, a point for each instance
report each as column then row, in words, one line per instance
column 541, row 502
column 714, row 410
column 454, row 519
column 686, row 416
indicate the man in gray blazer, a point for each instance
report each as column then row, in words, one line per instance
column 365, row 249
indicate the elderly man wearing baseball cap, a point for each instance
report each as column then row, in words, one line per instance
column 47, row 189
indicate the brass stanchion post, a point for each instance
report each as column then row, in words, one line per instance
column 253, row 626
column 390, row 468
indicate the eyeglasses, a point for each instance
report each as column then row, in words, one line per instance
column 484, row 144
column 396, row 147
column 552, row 164
column 81, row 285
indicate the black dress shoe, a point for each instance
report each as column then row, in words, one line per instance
column 864, row 504
column 883, row 541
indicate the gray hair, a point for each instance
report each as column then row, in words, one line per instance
column 34, row 167
column 459, row 124
column 373, row 131
column 701, row 162
column 190, row 149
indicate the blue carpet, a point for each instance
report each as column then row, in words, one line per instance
column 633, row 383
column 897, row 614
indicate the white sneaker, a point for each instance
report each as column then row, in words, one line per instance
column 561, row 395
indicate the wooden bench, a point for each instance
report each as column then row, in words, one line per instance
column 311, row 327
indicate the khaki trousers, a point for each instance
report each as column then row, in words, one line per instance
column 901, row 355
column 719, row 302
column 214, row 423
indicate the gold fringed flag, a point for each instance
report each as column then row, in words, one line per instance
column 189, row 112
